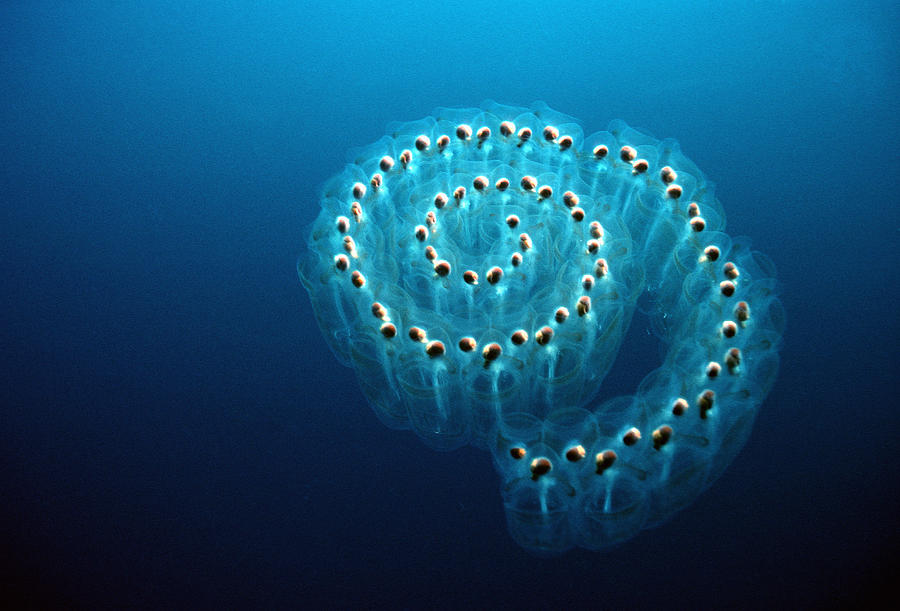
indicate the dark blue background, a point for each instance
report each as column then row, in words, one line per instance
column 173, row 429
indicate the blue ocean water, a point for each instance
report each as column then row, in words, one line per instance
column 175, row 431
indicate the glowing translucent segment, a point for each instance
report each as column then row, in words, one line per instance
column 479, row 269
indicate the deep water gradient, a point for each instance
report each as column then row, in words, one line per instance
column 175, row 432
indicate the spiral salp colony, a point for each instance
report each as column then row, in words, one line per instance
column 479, row 269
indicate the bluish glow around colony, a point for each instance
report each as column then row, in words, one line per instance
column 479, row 268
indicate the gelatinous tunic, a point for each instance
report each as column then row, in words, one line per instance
column 479, row 268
